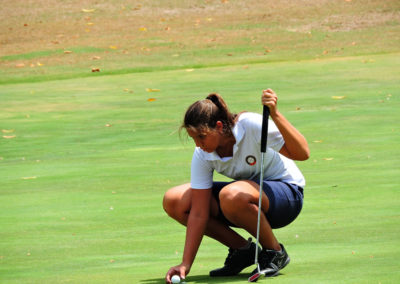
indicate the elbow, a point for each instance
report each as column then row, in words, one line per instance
column 305, row 155
column 302, row 155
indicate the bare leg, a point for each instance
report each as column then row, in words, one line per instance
column 239, row 203
column 177, row 202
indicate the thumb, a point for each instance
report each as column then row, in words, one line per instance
column 182, row 273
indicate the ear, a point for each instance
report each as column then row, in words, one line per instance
column 219, row 126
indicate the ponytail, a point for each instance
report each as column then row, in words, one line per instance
column 204, row 114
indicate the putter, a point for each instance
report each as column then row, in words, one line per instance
column 264, row 134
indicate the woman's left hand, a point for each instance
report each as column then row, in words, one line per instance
column 270, row 99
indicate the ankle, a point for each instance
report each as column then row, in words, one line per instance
column 276, row 248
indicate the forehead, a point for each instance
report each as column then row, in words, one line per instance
column 193, row 132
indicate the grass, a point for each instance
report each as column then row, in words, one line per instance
column 85, row 160
column 83, row 179
column 124, row 37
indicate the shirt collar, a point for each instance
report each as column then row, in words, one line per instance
column 238, row 132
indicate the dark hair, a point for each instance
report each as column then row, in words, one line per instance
column 204, row 114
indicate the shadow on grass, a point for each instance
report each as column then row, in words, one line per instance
column 202, row 279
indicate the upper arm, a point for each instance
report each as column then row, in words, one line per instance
column 285, row 152
column 201, row 200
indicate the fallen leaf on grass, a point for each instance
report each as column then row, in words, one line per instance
column 96, row 57
column 189, row 70
column 151, row 99
column 88, row 10
column 108, row 125
column 152, row 90
column 338, row 97
column 28, row 178
column 328, row 159
column 113, row 47
column 317, row 141
column 143, row 29
column 67, row 51
column 95, row 69
column 20, row 65
column 9, row 136
column 7, row 130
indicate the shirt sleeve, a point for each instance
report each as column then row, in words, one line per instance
column 201, row 172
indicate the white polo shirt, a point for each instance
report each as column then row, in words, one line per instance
column 245, row 162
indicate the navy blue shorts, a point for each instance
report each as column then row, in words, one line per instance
column 285, row 202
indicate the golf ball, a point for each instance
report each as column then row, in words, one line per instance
column 175, row 279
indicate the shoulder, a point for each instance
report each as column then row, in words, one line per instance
column 249, row 119
column 245, row 116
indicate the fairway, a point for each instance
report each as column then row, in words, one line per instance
column 85, row 157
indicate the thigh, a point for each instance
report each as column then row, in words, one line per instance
column 179, row 198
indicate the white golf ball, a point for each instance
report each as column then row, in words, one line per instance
column 175, row 279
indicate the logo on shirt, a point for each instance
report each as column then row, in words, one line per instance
column 251, row 160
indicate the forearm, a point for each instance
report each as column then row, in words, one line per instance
column 296, row 146
column 194, row 234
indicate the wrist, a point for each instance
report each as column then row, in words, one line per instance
column 275, row 114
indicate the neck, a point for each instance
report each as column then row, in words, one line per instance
column 225, row 149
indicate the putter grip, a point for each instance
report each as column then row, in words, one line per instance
column 264, row 129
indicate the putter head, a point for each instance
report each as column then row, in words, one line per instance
column 255, row 276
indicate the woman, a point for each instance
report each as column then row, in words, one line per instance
column 230, row 144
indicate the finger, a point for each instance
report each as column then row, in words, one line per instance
column 182, row 273
column 268, row 91
column 170, row 272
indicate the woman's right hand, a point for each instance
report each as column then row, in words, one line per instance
column 181, row 270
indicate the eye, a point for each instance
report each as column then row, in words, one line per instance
column 201, row 136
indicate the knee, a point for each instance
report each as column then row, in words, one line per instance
column 176, row 202
column 233, row 200
column 169, row 202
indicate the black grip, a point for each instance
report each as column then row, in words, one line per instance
column 264, row 129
